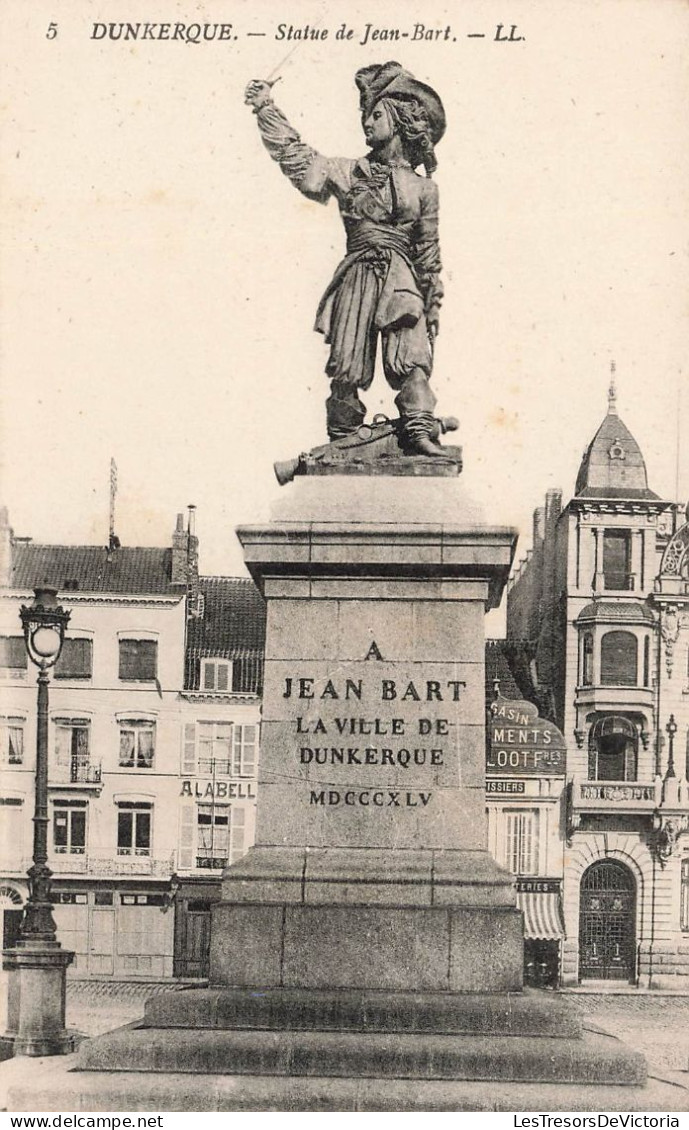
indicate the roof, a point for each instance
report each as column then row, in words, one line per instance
column 498, row 669
column 93, row 568
column 627, row 612
column 618, row 492
column 613, row 466
column 233, row 623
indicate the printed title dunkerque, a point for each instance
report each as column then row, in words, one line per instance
column 284, row 32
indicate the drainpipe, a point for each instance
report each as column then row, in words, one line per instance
column 659, row 661
column 653, row 920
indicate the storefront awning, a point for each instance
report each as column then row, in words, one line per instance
column 542, row 914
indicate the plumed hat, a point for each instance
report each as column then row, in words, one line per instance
column 390, row 80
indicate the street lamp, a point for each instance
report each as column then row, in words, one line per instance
column 44, row 624
column 671, row 730
column 37, row 964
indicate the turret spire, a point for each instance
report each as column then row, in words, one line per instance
column 612, row 391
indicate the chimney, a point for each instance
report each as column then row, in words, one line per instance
column 194, row 607
column 538, row 527
column 553, row 505
column 178, row 570
column 6, row 542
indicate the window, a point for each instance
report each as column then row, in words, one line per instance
column 224, row 748
column 220, row 835
column 618, row 659
column 11, row 741
column 244, row 751
column 616, row 559
column 13, row 657
column 684, row 895
column 587, row 660
column 647, row 661
column 137, row 744
column 70, row 898
column 521, row 842
column 215, row 748
column 69, row 827
column 13, row 830
column 138, row 660
column 143, row 900
column 216, row 675
column 613, row 742
column 72, row 747
column 133, row 828
column 76, row 660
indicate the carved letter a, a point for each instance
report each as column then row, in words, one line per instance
column 373, row 652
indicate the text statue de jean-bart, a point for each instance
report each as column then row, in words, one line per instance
column 388, row 284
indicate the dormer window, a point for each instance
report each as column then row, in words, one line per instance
column 617, row 451
column 216, row 675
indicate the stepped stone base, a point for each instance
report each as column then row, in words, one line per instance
column 56, row 1085
column 523, row 1059
column 230, row 1049
column 483, row 1014
column 451, row 1036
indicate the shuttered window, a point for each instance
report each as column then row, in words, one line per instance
column 521, row 842
column 244, row 751
column 187, row 833
column 138, row 660
column 189, row 750
column 76, row 660
column 13, row 653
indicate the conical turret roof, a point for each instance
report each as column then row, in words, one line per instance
column 613, row 466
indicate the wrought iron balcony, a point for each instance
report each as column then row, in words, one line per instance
column 110, row 865
column 86, row 774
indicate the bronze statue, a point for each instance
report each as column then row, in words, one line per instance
column 388, row 284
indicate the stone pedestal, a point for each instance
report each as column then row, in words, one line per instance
column 370, row 867
column 36, row 999
column 367, row 952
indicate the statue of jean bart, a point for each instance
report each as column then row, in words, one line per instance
column 388, row 283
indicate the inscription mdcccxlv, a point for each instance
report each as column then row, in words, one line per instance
column 400, row 751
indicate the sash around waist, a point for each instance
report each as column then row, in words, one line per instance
column 369, row 235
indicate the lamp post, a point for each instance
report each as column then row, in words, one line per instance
column 37, row 964
column 671, row 729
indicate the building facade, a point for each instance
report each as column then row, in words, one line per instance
column 595, row 615
column 525, row 793
column 153, row 745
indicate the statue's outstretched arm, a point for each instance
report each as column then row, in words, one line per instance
column 305, row 167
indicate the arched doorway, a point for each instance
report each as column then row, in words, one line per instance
column 11, row 908
column 607, row 923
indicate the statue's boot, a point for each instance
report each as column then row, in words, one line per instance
column 415, row 403
column 344, row 411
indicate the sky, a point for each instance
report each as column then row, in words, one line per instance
column 160, row 277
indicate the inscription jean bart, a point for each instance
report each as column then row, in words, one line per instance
column 406, row 694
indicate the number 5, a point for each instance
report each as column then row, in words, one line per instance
column 52, row 31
